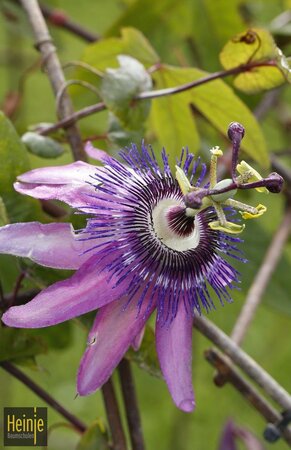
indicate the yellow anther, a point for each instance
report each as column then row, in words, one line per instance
column 216, row 151
column 261, row 209
column 183, row 181
column 250, row 175
column 229, row 227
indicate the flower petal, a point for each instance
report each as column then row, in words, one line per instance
column 67, row 183
column 227, row 441
column 52, row 245
column 112, row 333
column 91, row 287
column 174, row 348
column 96, row 153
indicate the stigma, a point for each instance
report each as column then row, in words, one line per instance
column 172, row 225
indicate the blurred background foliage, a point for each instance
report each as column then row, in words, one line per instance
column 178, row 41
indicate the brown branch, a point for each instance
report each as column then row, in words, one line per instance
column 131, row 405
column 213, row 76
column 113, row 416
column 59, row 18
column 155, row 94
column 244, row 361
column 262, row 278
column 250, row 394
column 44, row 44
column 85, row 112
column 40, row 392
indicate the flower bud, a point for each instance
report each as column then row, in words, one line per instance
column 235, row 131
column 274, row 183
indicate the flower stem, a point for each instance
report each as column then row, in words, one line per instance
column 113, row 416
column 131, row 405
column 231, row 375
column 245, row 362
column 60, row 19
column 44, row 44
column 156, row 94
column 21, row 376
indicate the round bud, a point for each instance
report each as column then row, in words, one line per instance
column 274, row 183
column 235, row 131
column 222, row 197
column 271, row 433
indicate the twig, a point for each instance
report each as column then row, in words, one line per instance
column 85, row 112
column 44, row 44
column 17, row 373
column 155, row 94
column 131, row 405
column 245, row 362
column 60, row 19
column 261, row 279
column 231, row 375
column 113, row 416
column 213, row 76
column 17, row 287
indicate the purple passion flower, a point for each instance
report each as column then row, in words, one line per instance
column 142, row 250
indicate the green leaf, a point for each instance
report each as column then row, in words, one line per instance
column 214, row 22
column 14, row 161
column 147, row 16
column 120, row 86
column 172, row 119
column 94, row 438
column 16, row 343
column 42, row 146
column 103, row 54
column 14, row 158
column 146, row 357
column 218, row 103
column 253, row 45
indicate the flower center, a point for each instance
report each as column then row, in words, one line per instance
column 173, row 227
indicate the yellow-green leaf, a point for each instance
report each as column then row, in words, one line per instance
column 172, row 119
column 251, row 46
column 259, row 79
column 218, row 103
column 254, row 44
column 102, row 54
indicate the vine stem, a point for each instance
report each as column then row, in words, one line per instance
column 244, row 361
column 85, row 112
column 60, row 19
column 131, row 405
column 262, row 278
column 21, row 376
column 229, row 374
column 113, row 416
column 44, row 44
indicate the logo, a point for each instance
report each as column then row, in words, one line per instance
column 25, row 427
